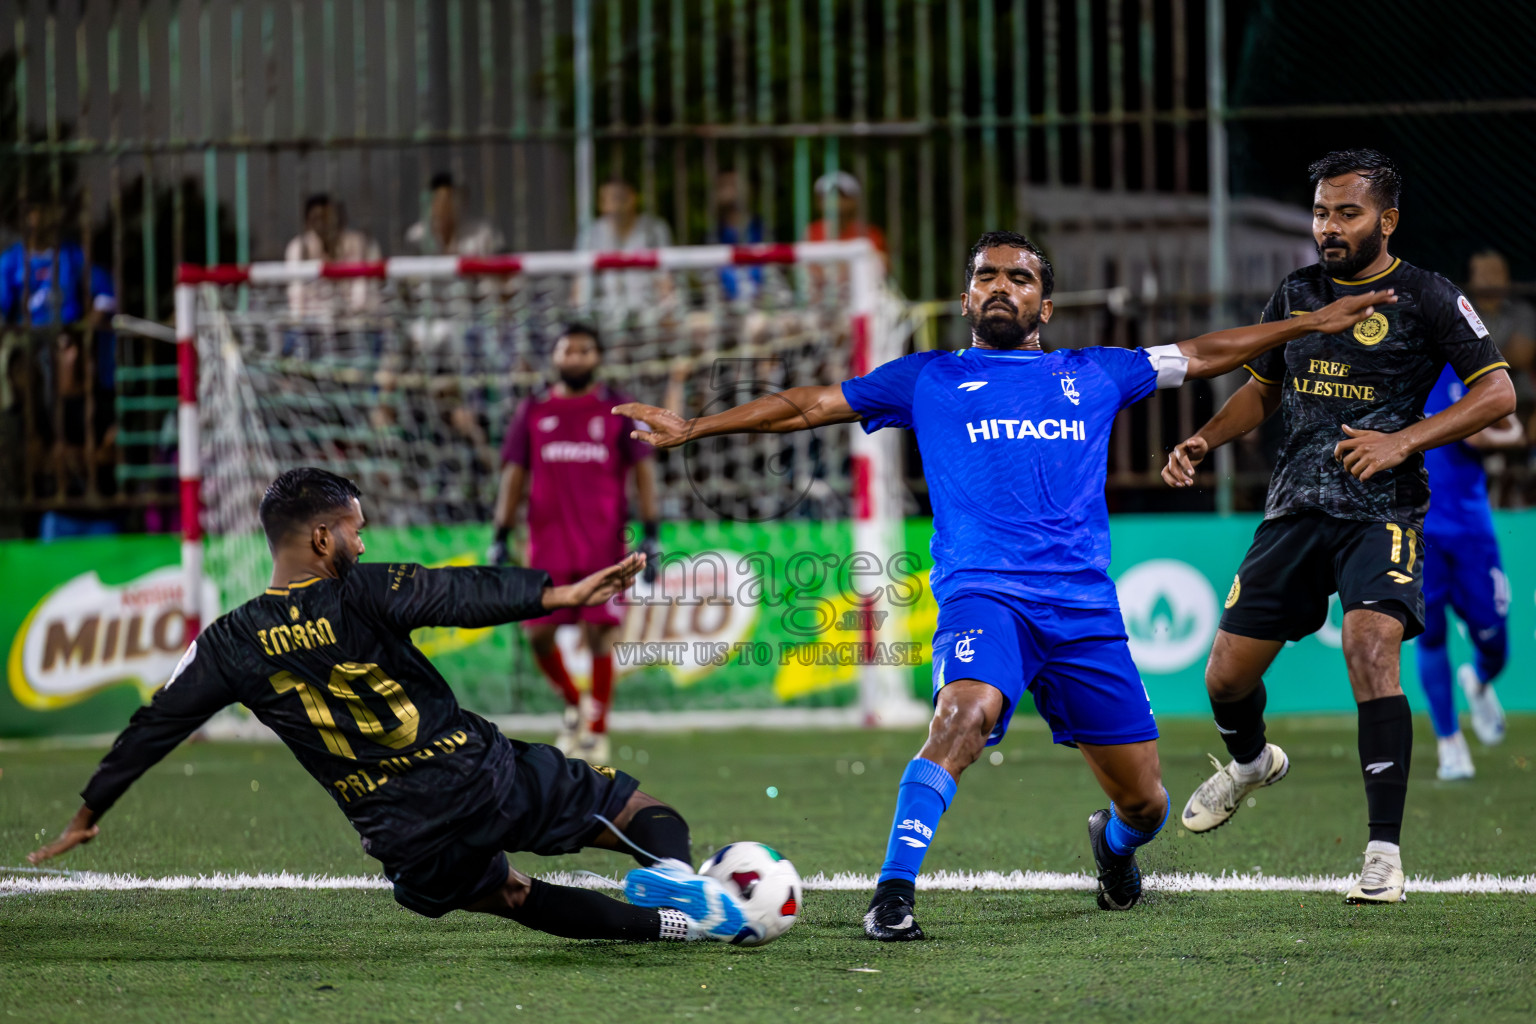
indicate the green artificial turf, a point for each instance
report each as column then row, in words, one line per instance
column 355, row 955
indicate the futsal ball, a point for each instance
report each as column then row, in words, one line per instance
column 767, row 885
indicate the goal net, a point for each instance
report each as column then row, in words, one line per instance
column 403, row 376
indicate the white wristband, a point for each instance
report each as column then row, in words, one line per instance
column 1171, row 364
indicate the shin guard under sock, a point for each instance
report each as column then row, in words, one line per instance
column 1386, row 747
column 659, row 830
column 923, row 797
column 1241, row 724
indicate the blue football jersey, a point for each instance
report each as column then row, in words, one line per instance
column 1458, row 488
column 1015, row 447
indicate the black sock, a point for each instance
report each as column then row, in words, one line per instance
column 583, row 914
column 660, row 830
column 1386, row 748
column 1241, row 724
column 901, row 888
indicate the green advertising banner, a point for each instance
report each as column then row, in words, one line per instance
column 743, row 616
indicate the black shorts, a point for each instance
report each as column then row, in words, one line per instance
column 548, row 808
column 1281, row 590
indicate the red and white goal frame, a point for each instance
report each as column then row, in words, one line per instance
column 876, row 498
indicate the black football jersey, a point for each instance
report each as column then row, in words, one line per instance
column 1373, row 377
column 329, row 666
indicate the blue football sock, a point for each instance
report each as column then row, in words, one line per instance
column 1435, row 677
column 1122, row 838
column 925, row 792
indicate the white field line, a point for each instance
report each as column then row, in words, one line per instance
column 21, row 881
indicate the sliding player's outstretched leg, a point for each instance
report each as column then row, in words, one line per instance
column 1234, row 681
column 1132, row 779
column 657, row 836
column 965, row 713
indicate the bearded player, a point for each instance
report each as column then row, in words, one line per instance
column 1015, row 446
column 1346, row 503
column 324, row 658
column 1463, row 573
column 574, row 457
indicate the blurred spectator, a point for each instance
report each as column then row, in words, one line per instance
column 444, row 232
column 621, row 227
column 42, row 278
column 840, row 195
column 326, row 237
column 735, row 226
column 1511, row 323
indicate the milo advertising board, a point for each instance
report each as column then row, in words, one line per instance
column 742, row 616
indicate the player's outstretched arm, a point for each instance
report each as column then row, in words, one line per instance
column 598, row 587
column 1368, row 452
column 1252, row 404
column 781, row 413
column 1211, row 355
column 179, row 709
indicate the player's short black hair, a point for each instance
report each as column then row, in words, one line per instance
column 299, row 497
column 1374, row 166
column 442, row 179
column 1013, row 240
column 318, row 199
column 583, row 328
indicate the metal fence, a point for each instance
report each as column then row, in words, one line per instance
column 162, row 131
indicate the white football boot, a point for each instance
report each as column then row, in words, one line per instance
column 1219, row 796
column 1487, row 712
column 1381, row 880
column 1455, row 758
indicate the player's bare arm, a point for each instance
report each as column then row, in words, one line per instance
column 1507, row 433
column 1367, row 452
column 1211, row 355
column 1255, row 401
column 1251, row 405
column 781, row 413
column 596, row 588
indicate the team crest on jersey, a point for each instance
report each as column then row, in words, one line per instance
column 1069, row 389
column 595, row 428
column 1235, row 592
column 1371, row 330
column 548, row 423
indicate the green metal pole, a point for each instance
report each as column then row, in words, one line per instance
column 986, row 44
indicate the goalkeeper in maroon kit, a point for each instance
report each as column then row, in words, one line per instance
column 574, row 458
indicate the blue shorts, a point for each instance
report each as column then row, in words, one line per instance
column 1463, row 570
column 1074, row 661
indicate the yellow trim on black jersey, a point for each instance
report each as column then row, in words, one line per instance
column 1500, row 365
column 1256, row 376
column 1300, row 312
column 294, row 586
column 1374, row 277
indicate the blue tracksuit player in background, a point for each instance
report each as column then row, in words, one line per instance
column 1462, row 573
column 1015, row 447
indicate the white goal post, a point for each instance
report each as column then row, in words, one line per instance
column 400, row 374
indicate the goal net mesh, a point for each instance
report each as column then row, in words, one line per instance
column 406, row 386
